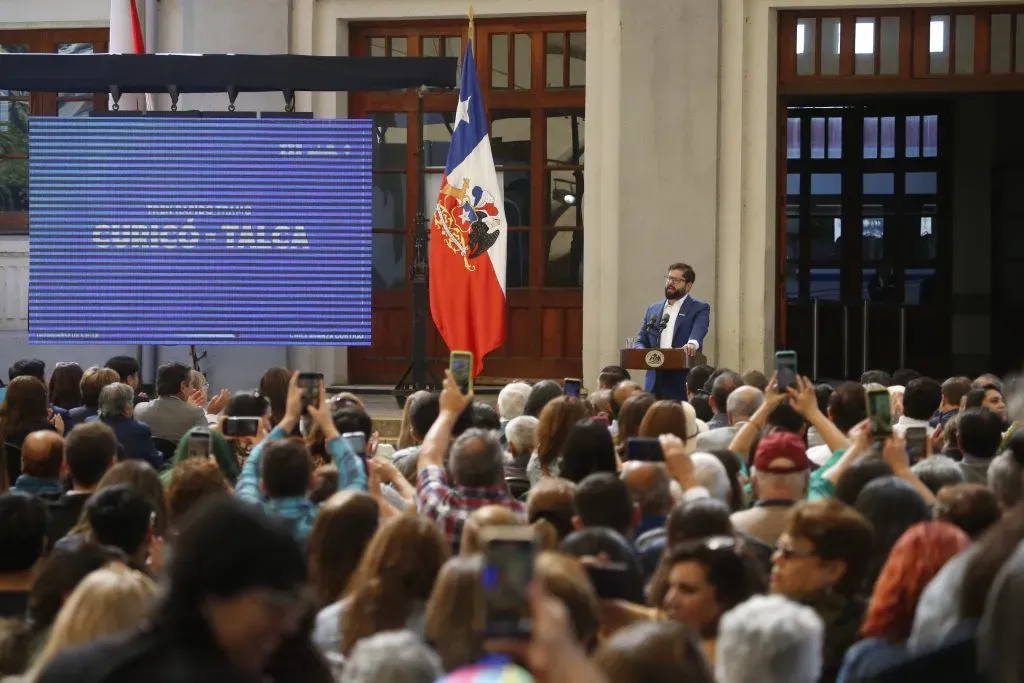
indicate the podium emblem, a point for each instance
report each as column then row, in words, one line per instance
column 654, row 359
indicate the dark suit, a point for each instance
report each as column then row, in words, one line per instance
column 82, row 413
column 64, row 514
column 692, row 322
column 136, row 439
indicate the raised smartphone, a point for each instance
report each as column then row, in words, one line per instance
column 879, row 413
column 572, row 387
column 917, row 443
column 509, row 554
column 241, row 426
column 644, row 449
column 461, row 365
column 310, row 383
column 785, row 369
column 199, row 444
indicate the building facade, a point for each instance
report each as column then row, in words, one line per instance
column 682, row 127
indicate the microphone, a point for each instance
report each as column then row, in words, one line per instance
column 651, row 323
column 664, row 321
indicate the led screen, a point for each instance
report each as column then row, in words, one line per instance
column 149, row 230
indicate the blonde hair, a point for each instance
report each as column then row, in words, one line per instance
column 107, row 601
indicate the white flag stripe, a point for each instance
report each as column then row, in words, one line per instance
column 479, row 168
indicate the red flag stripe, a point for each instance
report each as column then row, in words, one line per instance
column 138, row 41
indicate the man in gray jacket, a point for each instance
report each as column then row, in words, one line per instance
column 170, row 415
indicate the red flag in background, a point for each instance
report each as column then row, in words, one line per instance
column 468, row 234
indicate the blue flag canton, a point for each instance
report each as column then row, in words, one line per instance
column 470, row 118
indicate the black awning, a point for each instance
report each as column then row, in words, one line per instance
column 218, row 73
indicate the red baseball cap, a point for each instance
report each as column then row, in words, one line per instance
column 781, row 453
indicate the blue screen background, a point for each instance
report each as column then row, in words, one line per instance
column 200, row 231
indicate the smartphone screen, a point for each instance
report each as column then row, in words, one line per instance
column 879, row 412
column 508, row 569
column 917, row 443
column 785, row 368
column 199, row 444
column 644, row 449
column 461, row 365
column 241, row 426
column 310, row 383
column 356, row 441
column 573, row 387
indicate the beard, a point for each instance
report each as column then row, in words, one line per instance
column 673, row 294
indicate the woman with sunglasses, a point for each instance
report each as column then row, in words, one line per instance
column 699, row 581
column 820, row 560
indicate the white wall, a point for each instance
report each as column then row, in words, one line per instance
column 16, row 14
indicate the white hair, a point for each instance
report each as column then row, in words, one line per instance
column 710, row 473
column 512, row 399
column 1006, row 479
column 769, row 639
column 115, row 400
column 520, row 432
column 941, row 470
column 392, row 657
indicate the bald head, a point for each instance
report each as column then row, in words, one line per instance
column 621, row 392
column 649, row 486
column 743, row 403
column 42, row 454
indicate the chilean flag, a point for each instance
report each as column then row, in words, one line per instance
column 468, row 234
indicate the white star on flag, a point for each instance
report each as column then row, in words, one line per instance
column 462, row 112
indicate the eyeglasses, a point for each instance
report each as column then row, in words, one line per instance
column 674, row 280
column 789, row 552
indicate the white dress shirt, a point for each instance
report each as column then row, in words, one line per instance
column 672, row 308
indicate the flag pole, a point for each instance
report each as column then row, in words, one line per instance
column 472, row 31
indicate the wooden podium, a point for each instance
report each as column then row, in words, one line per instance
column 659, row 359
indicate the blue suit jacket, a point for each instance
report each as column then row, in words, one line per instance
column 136, row 439
column 692, row 322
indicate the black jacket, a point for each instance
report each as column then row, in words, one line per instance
column 149, row 656
column 64, row 514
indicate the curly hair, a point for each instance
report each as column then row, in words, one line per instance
column 916, row 558
column 192, row 480
column 396, row 573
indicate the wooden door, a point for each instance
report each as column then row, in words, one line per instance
column 532, row 73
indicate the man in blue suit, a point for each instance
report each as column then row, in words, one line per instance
column 680, row 321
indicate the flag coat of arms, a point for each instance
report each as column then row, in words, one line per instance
column 469, row 234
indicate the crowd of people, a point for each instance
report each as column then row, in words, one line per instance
column 775, row 537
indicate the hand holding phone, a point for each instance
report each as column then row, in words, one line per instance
column 240, row 426
column 786, row 369
column 572, row 387
column 199, row 443
column 917, row 443
column 461, row 365
column 879, row 413
column 310, row 383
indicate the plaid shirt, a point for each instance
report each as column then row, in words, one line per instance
column 450, row 506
